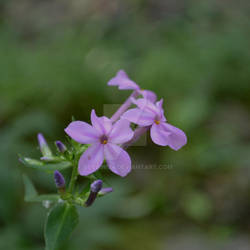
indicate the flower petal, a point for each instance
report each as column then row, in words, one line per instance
column 117, row 159
column 159, row 105
column 158, row 135
column 147, row 105
column 102, row 124
column 177, row 138
column 91, row 159
column 121, row 132
column 139, row 117
column 165, row 134
column 82, row 132
column 122, row 80
column 149, row 95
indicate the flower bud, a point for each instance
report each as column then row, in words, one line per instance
column 61, row 147
column 59, row 180
column 95, row 187
column 43, row 145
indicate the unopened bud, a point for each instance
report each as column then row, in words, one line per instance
column 61, row 147
column 43, row 145
column 95, row 187
column 59, row 180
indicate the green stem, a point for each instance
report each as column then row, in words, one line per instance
column 73, row 178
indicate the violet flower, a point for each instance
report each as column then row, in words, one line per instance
column 103, row 137
column 124, row 82
column 151, row 115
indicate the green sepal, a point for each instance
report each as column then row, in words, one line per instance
column 44, row 166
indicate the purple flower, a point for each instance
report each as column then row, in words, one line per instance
column 151, row 115
column 123, row 82
column 103, row 137
column 59, row 180
column 44, row 148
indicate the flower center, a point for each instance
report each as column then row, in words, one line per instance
column 104, row 139
column 157, row 122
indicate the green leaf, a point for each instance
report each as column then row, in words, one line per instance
column 31, row 194
column 30, row 191
column 44, row 166
column 61, row 221
column 46, row 197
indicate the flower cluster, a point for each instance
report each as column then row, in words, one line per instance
column 105, row 141
column 108, row 137
column 90, row 146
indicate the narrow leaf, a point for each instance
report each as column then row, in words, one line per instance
column 29, row 189
column 61, row 221
column 46, row 197
column 31, row 194
column 32, row 163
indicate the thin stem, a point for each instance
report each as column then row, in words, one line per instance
column 124, row 106
column 137, row 134
column 73, row 178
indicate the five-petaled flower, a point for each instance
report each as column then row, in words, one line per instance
column 151, row 115
column 104, row 138
column 124, row 82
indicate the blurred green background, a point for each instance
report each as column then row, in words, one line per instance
column 55, row 60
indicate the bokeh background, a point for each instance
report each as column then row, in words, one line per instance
column 55, row 60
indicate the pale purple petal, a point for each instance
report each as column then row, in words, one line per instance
column 139, row 117
column 91, row 159
column 122, row 80
column 147, row 105
column 82, row 132
column 149, row 95
column 117, row 159
column 165, row 134
column 159, row 135
column 159, row 105
column 106, row 190
column 177, row 138
column 121, row 132
column 102, row 124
